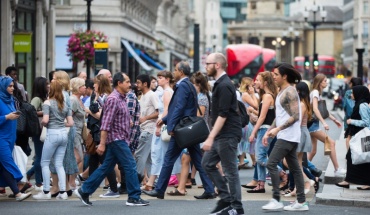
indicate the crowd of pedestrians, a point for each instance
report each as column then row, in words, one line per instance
column 121, row 132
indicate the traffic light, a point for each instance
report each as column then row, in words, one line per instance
column 315, row 64
column 307, row 62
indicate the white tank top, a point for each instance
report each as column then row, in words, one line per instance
column 293, row 132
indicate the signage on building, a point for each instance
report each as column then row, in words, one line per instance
column 22, row 42
column 101, row 56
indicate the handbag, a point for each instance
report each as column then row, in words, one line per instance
column 43, row 134
column 191, row 130
column 90, row 144
column 327, row 149
column 321, row 105
column 165, row 137
column 360, row 147
column 85, row 132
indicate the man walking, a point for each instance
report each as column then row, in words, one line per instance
column 287, row 128
column 148, row 116
column 115, row 133
column 222, row 142
column 182, row 104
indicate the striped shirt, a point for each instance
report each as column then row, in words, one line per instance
column 134, row 109
column 116, row 118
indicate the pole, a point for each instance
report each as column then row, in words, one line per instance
column 359, row 63
column 88, row 22
column 196, row 48
column 314, row 41
column 292, row 50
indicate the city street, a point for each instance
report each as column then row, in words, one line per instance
column 178, row 205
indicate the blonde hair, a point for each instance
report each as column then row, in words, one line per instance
column 63, row 78
column 76, row 83
column 317, row 81
column 244, row 83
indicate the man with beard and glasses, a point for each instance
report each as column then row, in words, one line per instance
column 222, row 143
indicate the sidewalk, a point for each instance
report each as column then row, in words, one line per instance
column 333, row 195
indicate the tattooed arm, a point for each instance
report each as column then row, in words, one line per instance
column 290, row 102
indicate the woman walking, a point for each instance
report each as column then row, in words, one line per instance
column 55, row 112
column 10, row 174
column 360, row 118
column 319, row 83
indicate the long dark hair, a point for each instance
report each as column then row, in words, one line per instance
column 39, row 88
column 304, row 96
column 293, row 76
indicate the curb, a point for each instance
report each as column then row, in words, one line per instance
column 326, row 200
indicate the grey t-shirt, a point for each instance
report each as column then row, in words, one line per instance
column 56, row 116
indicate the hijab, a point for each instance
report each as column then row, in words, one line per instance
column 361, row 95
column 4, row 95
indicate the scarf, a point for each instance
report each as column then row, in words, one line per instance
column 4, row 95
column 361, row 95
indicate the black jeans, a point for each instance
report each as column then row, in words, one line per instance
column 9, row 179
column 94, row 162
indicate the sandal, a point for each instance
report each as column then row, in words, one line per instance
column 259, row 189
column 147, row 188
column 175, row 193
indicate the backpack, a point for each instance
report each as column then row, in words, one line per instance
column 32, row 120
column 242, row 111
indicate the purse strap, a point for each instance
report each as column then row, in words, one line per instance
column 195, row 97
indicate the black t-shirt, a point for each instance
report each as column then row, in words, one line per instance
column 224, row 104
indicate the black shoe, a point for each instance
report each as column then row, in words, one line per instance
column 84, row 197
column 122, row 191
column 154, row 193
column 81, row 178
column 206, row 196
column 221, row 205
column 136, row 202
column 193, row 182
column 342, row 185
column 249, row 187
column 316, row 172
column 257, row 191
column 69, row 192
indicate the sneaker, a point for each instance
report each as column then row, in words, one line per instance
column 221, row 205
column 63, row 196
column 77, row 182
column 81, row 178
column 340, row 172
column 297, row 206
column 84, row 197
column 273, row 205
column 106, row 187
column 110, row 194
column 136, row 202
column 42, row 196
column 231, row 211
column 22, row 197
column 38, row 189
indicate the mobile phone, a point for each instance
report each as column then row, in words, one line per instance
column 18, row 112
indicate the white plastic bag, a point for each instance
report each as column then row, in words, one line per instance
column 20, row 158
column 360, row 147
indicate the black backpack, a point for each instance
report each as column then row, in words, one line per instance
column 242, row 111
column 32, row 120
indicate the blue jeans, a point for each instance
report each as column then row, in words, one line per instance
column 171, row 156
column 261, row 154
column 36, row 163
column 117, row 152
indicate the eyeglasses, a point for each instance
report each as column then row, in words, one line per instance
column 209, row 63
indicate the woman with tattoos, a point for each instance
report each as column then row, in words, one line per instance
column 266, row 116
column 319, row 83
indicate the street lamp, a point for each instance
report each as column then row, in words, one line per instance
column 278, row 43
column 314, row 23
column 88, row 22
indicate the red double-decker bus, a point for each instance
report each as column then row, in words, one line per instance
column 244, row 60
column 269, row 59
column 326, row 65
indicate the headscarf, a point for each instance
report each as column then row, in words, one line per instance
column 4, row 95
column 361, row 95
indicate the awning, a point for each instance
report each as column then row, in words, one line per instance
column 61, row 59
column 136, row 56
column 149, row 59
column 179, row 55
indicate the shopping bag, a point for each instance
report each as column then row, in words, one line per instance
column 20, row 158
column 360, row 147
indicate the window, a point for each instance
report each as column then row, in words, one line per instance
column 277, row 6
column 63, row 2
column 253, row 5
column 365, row 28
column 366, row 8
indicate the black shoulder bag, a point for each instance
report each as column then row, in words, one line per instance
column 191, row 130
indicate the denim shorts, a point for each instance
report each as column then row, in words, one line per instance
column 314, row 127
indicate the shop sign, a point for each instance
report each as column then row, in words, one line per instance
column 22, row 42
